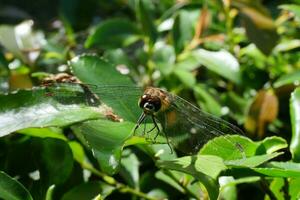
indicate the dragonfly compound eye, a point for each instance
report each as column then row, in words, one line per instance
column 150, row 104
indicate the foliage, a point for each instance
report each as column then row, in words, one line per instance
column 238, row 60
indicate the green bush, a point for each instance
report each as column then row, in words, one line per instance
column 238, row 60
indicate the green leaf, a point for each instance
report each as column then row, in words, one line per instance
column 220, row 62
column 187, row 62
column 195, row 165
column 253, row 161
column 122, row 99
column 271, row 145
column 4, row 74
column 294, row 188
column 291, row 78
column 164, row 58
column 165, row 176
column 276, row 187
column 44, row 132
column 186, row 77
column 130, row 168
column 295, row 121
column 203, row 168
column 88, row 191
column 292, row 8
column 226, row 147
column 106, row 139
column 11, row 189
column 78, row 151
column 39, row 108
column 183, row 30
column 93, row 70
column 287, row 45
column 112, row 33
column 118, row 57
column 228, row 190
column 18, row 39
column 54, row 158
column 146, row 21
column 49, row 194
column 280, row 169
column 206, row 101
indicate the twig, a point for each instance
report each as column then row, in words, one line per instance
column 111, row 181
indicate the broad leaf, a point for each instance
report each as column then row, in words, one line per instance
column 295, row 120
column 203, row 168
column 41, row 108
column 11, row 189
column 146, row 20
column 280, row 169
column 290, row 78
column 106, row 139
column 88, row 191
column 220, row 62
column 121, row 95
column 112, row 33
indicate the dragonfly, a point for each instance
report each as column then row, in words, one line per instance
column 185, row 127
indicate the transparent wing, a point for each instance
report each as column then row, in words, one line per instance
column 189, row 128
column 121, row 98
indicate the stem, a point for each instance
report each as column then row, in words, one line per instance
column 266, row 188
column 229, row 23
column 111, row 181
column 187, row 190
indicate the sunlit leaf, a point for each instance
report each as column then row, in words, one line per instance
column 22, row 41
column 49, row 194
column 295, row 121
column 290, row 78
column 271, row 145
column 37, row 108
column 294, row 8
column 253, row 161
column 220, row 62
column 195, row 165
column 280, row 169
column 276, row 187
column 228, row 191
column 226, row 147
column 287, row 45
column 203, row 168
column 294, row 188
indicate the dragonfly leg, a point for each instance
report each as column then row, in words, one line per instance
column 144, row 131
column 155, row 126
column 168, row 142
column 140, row 120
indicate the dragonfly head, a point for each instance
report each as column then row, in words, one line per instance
column 150, row 104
